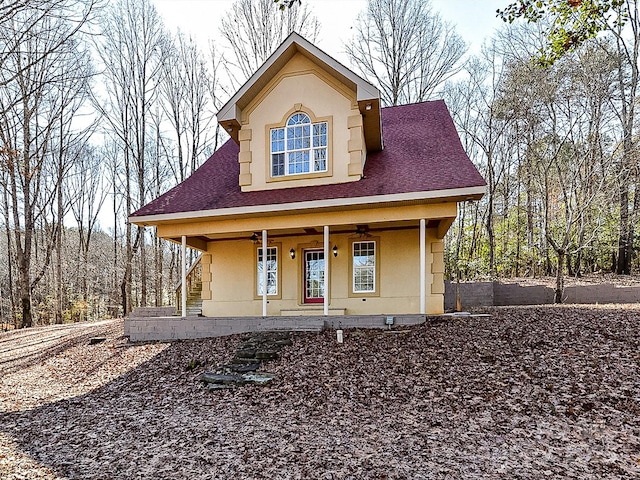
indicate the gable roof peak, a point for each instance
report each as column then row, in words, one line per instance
column 367, row 95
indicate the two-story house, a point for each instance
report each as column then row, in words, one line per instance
column 322, row 202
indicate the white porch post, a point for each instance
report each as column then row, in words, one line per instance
column 264, row 273
column 183, row 252
column 326, row 270
column 423, row 270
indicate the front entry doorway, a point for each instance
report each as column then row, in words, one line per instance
column 314, row 276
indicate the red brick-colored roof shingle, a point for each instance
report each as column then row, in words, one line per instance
column 422, row 153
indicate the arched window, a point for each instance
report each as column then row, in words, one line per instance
column 299, row 147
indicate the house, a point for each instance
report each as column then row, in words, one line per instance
column 322, row 202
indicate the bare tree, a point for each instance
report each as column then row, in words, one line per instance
column 626, row 56
column 186, row 97
column 406, row 49
column 30, row 16
column 218, row 93
column 44, row 73
column 7, row 155
column 253, row 29
column 87, row 183
column 132, row 50
column 485, row 126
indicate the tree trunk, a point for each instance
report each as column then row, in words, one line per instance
column 623, row 266
column 158, row 269
column 143, row 270
column 58, row 312
column 490, row 235
column 26, row 320
column 557, row 298
column 9, row 260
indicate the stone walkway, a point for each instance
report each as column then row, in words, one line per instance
column 255, row 350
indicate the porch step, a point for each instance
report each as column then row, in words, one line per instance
column 194, row 300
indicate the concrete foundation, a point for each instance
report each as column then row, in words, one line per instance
column 140, row 329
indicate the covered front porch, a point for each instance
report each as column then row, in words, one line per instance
column 381, row 262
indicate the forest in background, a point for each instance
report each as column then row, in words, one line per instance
column 103, row 109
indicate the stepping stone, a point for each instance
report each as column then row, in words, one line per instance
column 258, row 378
column 246, row 353
column 244, row 361
column 218, row 381
column 266, row 354
column 252, row 367
column 221, row 378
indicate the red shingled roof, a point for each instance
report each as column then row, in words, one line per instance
column 422, row 152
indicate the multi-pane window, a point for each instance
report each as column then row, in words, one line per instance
column 364, row 267
column 299, row 147
column 271, row 269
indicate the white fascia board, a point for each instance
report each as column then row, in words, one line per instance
column 366, row 91
column 313, row 204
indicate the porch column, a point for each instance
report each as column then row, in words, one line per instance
column 183, row 253
column 326, row 270
column 264, row 273
column 423, row 270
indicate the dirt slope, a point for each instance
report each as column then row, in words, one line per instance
column 527, row 393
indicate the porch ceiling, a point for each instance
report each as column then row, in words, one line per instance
column 200, row 241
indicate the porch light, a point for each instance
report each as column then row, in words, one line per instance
column 254, row 238
column 368, row 106
column 292, row 254
column 335, row 250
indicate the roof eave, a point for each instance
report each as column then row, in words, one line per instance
column 448, row 195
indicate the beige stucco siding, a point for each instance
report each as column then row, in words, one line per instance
column 233, row 276
column 300, row 87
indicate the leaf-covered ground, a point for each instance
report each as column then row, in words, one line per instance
column 528, row 393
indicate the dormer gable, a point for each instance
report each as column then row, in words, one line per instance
column 302, row 119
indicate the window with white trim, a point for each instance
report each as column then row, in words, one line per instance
column 364, row 267
column 272, row 271
column 299, row 147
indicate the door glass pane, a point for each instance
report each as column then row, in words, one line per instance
column 314, row 275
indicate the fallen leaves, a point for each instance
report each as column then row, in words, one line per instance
column 528, row 393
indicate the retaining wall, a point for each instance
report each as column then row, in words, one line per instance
column 472, row 294
column 485, row 294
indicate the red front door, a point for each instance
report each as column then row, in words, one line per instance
column 313, row 276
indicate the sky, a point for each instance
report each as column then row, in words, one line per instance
column 475, row 19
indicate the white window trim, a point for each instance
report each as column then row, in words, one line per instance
column 354, row 268
column 258, row 278
column 311, row 150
